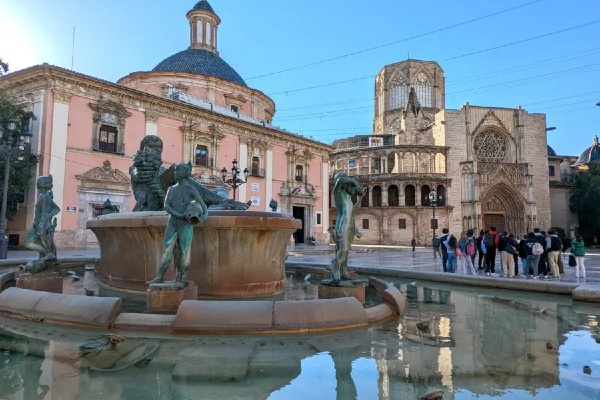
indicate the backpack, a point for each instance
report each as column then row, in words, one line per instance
column 488, row 240
column 470, row 248
column 537, row 249
column 555, row 243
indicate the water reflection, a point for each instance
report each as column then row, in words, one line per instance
column 468, row 344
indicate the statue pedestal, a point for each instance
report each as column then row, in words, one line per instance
column 165, row 298
column 47, row 282
column 346, row 289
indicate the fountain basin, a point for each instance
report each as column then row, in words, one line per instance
column 235, row 254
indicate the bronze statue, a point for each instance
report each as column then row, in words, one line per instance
column 185, row 208
column 344, row 187
column 150, row 181
column 273, row 205
column 41, row 237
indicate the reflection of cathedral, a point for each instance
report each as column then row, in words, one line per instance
column 487, row 165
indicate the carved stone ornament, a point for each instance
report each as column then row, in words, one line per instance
column 105, row 173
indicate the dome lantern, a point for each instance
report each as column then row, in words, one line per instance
column 204, row 23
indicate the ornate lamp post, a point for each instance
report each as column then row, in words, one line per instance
column 13, row 138
column 433, row 204
column 235, row 181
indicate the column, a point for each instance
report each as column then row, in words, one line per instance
column 36, row 130
column 243, row 163
column 269, row 180
column 325, row 197
column 58, row 148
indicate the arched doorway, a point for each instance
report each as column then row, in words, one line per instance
column 504, row 207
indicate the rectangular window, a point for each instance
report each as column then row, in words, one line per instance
column 365, row 223
column 551, row 170
column 402, row 223
column 107, row 140
column 434, row 223
column 318, row 219
column 208, row 33
column 376, row 165
column 299, row 173
column 201, row 158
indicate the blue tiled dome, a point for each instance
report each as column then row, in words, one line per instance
column 551, row 152
column 203, row 6
column 591, row 154
column 201, row 62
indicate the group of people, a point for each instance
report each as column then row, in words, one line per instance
column 539, row 253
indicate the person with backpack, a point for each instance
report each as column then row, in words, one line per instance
column 466, row 244
column 540, row 236
column 480, row 251
column 523, row 252
column 534, row 253
column 444, row 248
column 554, row 247
column 435, row 243
column 578, row 250
column 451, row 246
column 507, row 246
column 491, row 243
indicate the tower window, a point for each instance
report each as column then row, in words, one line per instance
column 234, row 109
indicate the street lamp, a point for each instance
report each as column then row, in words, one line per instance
column 433, row 204
column 13, row 138
column 235, row 181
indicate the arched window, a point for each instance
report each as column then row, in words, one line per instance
column 377, row 196
column 409, row 195
column 365, row 200
column 425, row 195
column 393, row 200
column 423, row 90
column 441, row 195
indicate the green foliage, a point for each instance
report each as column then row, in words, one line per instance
column 21, row 171
column 584, row 200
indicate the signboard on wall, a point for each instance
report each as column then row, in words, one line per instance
column 375, row 141
column 255, row 187
column 255, row 201
column 71, row 208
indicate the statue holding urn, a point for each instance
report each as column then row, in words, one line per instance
column 186, row 208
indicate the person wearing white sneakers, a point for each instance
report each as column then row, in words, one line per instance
column 578, row 250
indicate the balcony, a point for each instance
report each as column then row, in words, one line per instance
column 105, row 147
column 257, row 172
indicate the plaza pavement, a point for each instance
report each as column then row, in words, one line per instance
column 362, row 258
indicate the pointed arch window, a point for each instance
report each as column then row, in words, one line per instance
column 423, row 89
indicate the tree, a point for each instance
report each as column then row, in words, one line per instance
column 21, row 171
column 584, row 202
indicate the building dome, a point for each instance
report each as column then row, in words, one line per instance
column 590, row 155
column 551, row 152
column 202, row 62
column 203, row 5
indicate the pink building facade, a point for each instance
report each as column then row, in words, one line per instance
column 87, row 130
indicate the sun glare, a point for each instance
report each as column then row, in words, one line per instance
column 16, row 47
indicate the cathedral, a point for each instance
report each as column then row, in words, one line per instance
column 427, row 167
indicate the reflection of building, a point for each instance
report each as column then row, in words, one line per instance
column 483, row 162
column 87, row 130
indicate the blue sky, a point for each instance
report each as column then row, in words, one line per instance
column 541, row 54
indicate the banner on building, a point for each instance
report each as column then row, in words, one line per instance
column 375, row 141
